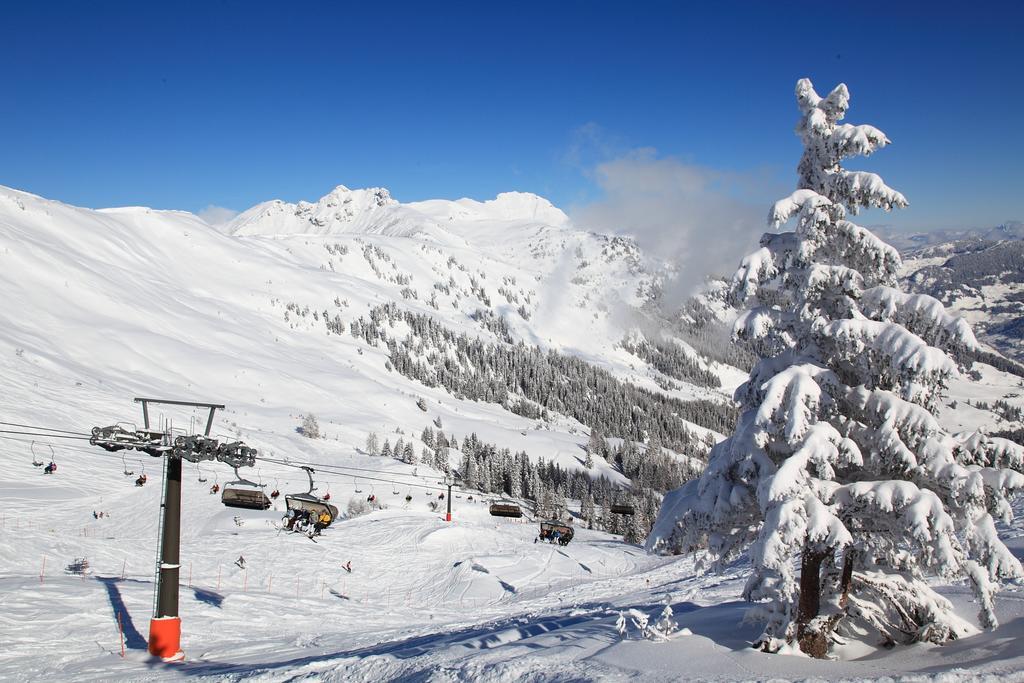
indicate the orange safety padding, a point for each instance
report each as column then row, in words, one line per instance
column 165, row 638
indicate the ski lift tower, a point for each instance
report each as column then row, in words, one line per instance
column 165, row 626
column 448, row 482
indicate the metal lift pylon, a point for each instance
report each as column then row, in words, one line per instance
column 165, row 626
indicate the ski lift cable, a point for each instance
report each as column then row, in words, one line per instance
column 46, row 434
column 345, row 468
column 73, row 435
column 47, row 429
column 330, row 469
column 62, row 446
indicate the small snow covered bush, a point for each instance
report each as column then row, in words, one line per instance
column 357, row 505
column 641, row 623
column 839, row 482
column 310, row 426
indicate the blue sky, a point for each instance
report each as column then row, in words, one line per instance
column 232, row 103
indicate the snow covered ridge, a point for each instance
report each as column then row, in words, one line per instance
column 374, row 211
column 839, row 483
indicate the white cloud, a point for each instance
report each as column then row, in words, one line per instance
column 217, row 215
column 701, row 219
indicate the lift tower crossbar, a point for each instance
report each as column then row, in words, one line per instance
column 165, row 626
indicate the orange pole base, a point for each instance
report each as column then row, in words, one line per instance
column 165, row 639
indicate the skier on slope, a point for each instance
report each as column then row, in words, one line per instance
column 240, row 562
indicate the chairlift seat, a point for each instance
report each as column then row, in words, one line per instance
column 622, row 509
column 235, row 496
column 307, row 502
column 505, row 508
column 549, row 527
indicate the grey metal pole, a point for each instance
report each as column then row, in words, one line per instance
column 170, row 544
column 165, row 627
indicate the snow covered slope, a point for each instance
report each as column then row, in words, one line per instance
column 137, row 301
column 979, row 278
column 474, row 600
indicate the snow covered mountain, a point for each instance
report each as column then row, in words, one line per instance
column 386, row 319
column 373, row 211
column 342, row 211
column 282, row 317
column 911, row 242
column 979, row 277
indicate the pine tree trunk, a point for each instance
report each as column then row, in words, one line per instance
column 812, row 641
column 846, row 579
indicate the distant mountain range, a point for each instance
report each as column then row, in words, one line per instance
column 977, row 273
column 1011, row 230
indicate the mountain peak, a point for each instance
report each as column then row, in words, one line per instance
column 342, row 210
column 507, row 206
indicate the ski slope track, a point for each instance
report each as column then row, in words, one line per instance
column 103, row 306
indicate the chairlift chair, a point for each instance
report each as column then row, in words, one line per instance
column 356, row 482
column 310, row 504
column 622, row 509
column 142, row 478
column 35, row 459
column 505, row 508
column 243, row 493
column 549, row 528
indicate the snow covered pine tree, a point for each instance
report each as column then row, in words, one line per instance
column 838, row 459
